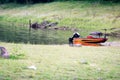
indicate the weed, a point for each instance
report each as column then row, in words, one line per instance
column 17, row 53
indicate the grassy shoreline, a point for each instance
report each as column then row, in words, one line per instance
column 85, row 16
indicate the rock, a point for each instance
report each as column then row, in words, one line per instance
column 42, row 25
column 32, row 67
column 100, row 78
column 83, row 61
column 4, row 53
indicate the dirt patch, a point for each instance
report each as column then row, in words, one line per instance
column 111, row 44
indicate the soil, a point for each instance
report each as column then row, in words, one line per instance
column 111, row 44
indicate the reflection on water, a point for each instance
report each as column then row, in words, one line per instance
column 21, row 34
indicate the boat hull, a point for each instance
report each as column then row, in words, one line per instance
column 89, row 42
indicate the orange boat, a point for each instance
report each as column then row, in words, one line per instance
column 94, row 39
column 88, row 41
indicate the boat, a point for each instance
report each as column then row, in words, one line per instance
column 89, row 42
column 93, row 39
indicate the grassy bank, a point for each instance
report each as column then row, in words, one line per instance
column 85, row 16
column 72, row 14
column 60, row 62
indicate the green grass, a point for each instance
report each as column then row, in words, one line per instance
column 60, row 62
column 72, row 14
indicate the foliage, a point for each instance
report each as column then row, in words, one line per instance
column 17, row 56
column 38, row 1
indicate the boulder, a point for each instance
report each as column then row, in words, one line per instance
column 3, row 52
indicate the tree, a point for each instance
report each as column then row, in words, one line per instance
column 43, row 1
